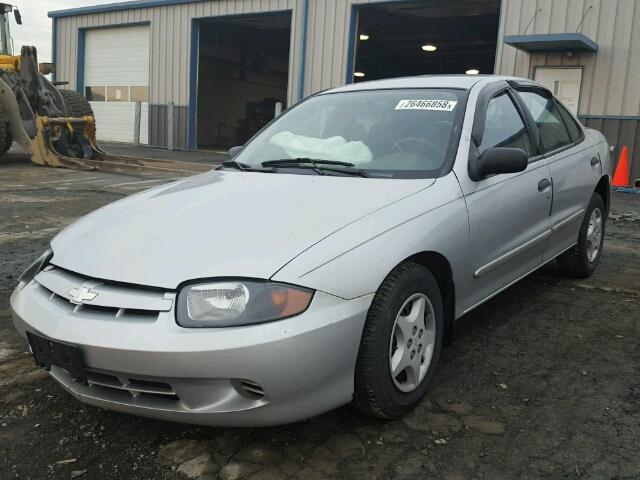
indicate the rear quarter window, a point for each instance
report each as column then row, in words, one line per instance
column 575, row 132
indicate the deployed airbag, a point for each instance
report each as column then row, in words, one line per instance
column 334, row 148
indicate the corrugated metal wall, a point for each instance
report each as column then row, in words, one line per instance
column 170, row 39
column 610, row 93
column 170, row 50
column 328, row 30
column 610, row 85
column 328, row 37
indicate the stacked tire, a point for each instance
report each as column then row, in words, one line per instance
column 77, row 105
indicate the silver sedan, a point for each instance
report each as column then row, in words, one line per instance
column 326, row 261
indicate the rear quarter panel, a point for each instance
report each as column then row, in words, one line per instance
column 601, row 146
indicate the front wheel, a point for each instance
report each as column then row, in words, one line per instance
column 5, row 134
column 400, row 344
column 582, row 259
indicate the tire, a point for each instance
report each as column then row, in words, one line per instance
column 5, row 134
column 76, row 104
column 376, row 391
column 581, row 260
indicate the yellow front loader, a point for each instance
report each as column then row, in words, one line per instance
column 57, row 126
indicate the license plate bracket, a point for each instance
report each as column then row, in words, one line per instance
column 48, row 353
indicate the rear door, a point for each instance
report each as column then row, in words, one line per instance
column 509, row 213
column 574, row 165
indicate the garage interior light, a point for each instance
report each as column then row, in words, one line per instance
column 358, row 74
column 429, row 48
column 472, row 71
column 364, row 37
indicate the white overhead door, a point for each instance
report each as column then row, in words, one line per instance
column 116, row 75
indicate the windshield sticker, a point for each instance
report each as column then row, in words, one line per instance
column 438, row 105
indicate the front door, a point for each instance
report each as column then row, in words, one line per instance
column 508, row 214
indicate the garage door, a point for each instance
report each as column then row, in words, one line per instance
column 116, row 75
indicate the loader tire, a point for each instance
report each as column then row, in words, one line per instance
column 76, row 104
column 5, row 134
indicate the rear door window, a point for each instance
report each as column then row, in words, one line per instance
column 554, row 132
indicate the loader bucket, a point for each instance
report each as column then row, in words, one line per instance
column 71, row 143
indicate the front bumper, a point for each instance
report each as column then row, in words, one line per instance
column 257, row 375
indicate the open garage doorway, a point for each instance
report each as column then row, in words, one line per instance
column 243, row 74
column 404, row 38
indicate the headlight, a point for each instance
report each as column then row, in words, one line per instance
column 239, row 302
column 36, row 267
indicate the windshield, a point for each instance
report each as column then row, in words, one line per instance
column 393, row 133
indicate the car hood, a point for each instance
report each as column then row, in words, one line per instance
column 219, row 224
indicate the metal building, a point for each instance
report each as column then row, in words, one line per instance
column 223, row 67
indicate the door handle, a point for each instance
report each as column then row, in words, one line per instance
column 594, row 161
column 544, row 185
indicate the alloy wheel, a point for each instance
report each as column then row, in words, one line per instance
column 594, row 235
column 412, row 343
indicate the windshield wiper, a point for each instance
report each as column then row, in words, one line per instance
column 301, row 161
column 355, row 172
column 321, row 167
column 243, row 167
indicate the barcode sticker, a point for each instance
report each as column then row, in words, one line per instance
column 438, row 105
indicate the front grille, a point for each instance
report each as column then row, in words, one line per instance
column 111, row 301
column 165, row 394
column 134, row 387
column 100, row 311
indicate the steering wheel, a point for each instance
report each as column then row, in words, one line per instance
column 418, row 145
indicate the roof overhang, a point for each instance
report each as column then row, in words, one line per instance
column 552, row 42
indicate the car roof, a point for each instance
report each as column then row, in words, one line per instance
column 426, row 81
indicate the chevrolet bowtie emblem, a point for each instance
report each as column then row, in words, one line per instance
column 81, row 295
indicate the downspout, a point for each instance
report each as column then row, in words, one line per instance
column 80, row 61
column 351, row 46
column 192, row 141
column 54, row 48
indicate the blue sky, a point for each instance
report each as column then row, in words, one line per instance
column 36, row 26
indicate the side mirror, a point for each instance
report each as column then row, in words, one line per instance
column 18, row 17
column 499, row 160
column 233, row 151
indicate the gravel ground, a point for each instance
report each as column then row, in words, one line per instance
column 541, row 382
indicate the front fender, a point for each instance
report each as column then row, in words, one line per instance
column 355, row 260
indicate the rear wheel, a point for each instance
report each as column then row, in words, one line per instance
column 582, row 259
column 400, row 344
